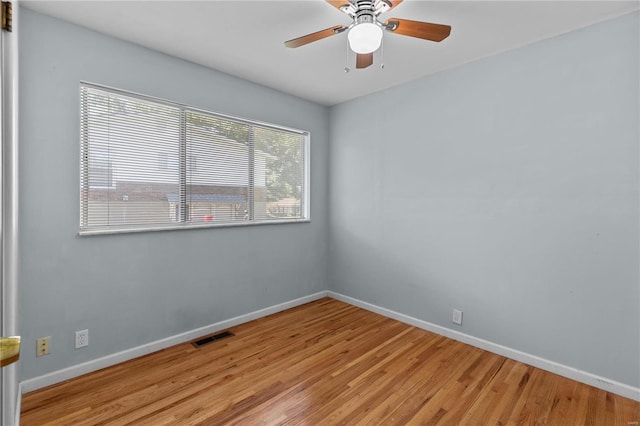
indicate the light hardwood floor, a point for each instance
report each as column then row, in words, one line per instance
column 325, row 363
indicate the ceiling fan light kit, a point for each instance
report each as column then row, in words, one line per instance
column 366, row 31
column 365, row 37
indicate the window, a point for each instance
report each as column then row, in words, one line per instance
column 148, row 164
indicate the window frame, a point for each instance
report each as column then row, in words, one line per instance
column 305, row 208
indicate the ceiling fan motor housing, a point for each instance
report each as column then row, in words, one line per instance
column 365, row 16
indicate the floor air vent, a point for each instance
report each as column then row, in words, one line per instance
column 212, row 338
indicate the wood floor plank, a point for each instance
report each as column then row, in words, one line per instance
column 325, row 363
column 337, row 381
column 350, row 400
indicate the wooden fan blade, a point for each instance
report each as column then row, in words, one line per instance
column 363, row 60
column 309, row 38
column 339, row 3
column 423, row 30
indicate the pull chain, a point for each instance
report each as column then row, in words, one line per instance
column 346, row 67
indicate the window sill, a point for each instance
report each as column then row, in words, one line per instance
column 186, row 227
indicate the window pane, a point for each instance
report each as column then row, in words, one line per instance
column 130, row 147
column 217, row 165
column 279, row 174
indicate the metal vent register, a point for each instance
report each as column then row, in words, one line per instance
column 212, row 338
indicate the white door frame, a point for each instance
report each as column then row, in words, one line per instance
column 9, row 384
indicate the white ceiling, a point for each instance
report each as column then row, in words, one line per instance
column 245, row 38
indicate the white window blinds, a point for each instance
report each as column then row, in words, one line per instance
column 148, row 164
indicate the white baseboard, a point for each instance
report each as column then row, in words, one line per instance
column 113, row 359
column 562, row 370
column 545, row 364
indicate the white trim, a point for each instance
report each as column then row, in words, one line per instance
column 9, row 111
column 113, row 359
column 186, row 226
column 563, row 370
column 16, row 420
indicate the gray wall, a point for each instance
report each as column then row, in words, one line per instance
column 136, row 288
column 507, row 188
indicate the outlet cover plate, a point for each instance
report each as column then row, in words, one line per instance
column 457, row 316
column 82, row 338
column 42, row 347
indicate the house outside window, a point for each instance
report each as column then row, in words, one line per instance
column 148, row 164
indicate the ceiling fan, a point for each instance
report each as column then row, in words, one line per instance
column 365, row 32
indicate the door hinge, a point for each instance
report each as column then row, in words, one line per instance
column 7, row 16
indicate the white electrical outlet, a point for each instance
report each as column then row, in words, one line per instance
column 82, row 338
column 457, row 317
